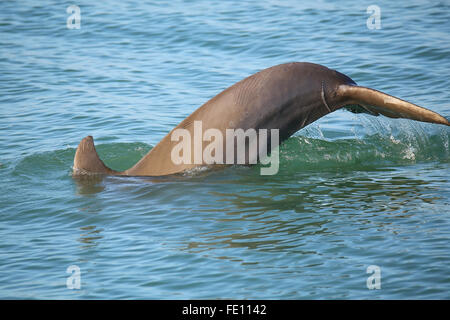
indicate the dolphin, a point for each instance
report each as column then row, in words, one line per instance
column 286, row 97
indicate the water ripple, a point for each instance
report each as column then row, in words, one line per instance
column 352, row 190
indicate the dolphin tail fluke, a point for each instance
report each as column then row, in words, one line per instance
column 375, row 102
column 87, row 161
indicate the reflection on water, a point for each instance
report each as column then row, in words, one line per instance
column 274, row 213
column 89, row 184
column 277, row 213
column 90, row 236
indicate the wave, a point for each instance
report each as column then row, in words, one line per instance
column 302, row 152
column 296, row 154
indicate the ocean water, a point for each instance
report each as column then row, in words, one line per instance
column 353, row 191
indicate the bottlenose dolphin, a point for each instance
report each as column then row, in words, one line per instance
column 286, row 97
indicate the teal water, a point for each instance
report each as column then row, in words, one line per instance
column 352, row 190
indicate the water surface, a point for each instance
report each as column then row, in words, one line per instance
column 352, row 190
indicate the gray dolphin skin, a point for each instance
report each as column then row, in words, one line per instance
column 286, row 97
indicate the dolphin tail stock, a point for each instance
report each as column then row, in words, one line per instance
column 87, row 161
column 376, row 102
